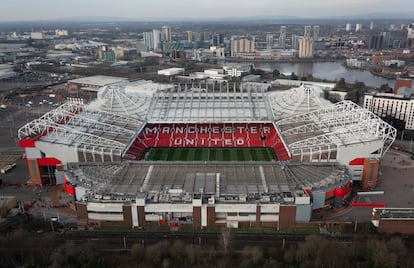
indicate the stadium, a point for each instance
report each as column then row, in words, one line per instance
column 145, row 153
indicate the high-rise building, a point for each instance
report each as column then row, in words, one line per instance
column 358, row 27
column 398, row 109
column 107, row 54
column 305, row 47
column 218, row 39
column 242, row 45
column 316, row 32
column 307, row 33
column 371, row 26
column 380, row 41
column 348, row 27
column 269, row 41
column 410, row 35
column 410, row 31
column 166, row 33
column 190, row 36
column 282, row 37
column 148, row 40
column 156, row 35
column 206, row 36
column 295, row 41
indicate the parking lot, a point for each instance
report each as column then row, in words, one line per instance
column 396, row 179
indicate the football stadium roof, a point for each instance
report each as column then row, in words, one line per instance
column 131, row 179
column 305, row 120
column 344, row 123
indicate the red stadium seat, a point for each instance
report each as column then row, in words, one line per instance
column 208, row 135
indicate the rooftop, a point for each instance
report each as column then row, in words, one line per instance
column 98, row 80
column 131, row 179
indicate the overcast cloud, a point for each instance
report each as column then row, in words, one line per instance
column 14, row 10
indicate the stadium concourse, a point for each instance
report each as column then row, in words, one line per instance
column 99, row 152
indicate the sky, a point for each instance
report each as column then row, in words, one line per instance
column 23, row 10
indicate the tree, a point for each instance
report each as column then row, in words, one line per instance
column 225, row 238
column 137, row 253
column 341, row 83
column 293, row 76
column 385, row 88
column 275, row 74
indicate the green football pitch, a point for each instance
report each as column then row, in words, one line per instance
column 209, row 154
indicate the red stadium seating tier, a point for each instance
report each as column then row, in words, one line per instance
column 208, row 135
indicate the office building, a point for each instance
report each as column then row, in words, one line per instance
column 218, row 39
column 305, row 48
column 295, row 41
column 371, row 26
column 410, row 35
column 398, row 110
column 348, row 27
column 148, row 40
column 242, row 46
column 166, row 34
column 157, row 38
column 307, row 32
column 282, row 37
column 358, row 27
column 402, row 83
column 269, row 41
column 316, row 32
column 379, row 41
column 190, row 36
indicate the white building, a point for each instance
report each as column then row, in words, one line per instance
column 171, row 71
column 282, row 37
column 305, row 47
column 148, row 40
column 59, row 32
column 156, row 35
column 390, row 105
column 37, row 35
column 166, row 33
column 307, row 32
column 348, row 27
column 358, row 27
column 237, row 70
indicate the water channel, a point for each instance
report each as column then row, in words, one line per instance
column 331, row 71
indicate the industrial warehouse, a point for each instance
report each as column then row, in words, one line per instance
column 210, row 168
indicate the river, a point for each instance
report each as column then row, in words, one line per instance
column 332, row 71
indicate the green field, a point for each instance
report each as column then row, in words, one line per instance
column 209, row 154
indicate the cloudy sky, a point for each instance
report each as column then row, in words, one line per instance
column 15, row 10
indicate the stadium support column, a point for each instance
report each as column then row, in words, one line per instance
column 82, row 211
column 211, row 216
column 287, row 216
column 141, row 211
column 258, row 212
column 370, row 174
column 127, row 214
column 34, row 172
column 197, row 203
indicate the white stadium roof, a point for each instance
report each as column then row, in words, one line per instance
column 98, row 80
column 243, row 178
column 344, row 123
column 307, row 122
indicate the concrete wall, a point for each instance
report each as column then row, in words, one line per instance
column 396, row 226
column 63, row 153
column 360, row 150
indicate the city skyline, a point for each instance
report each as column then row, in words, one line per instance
column 24, row 10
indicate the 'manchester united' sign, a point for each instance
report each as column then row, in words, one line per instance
column 209, row 135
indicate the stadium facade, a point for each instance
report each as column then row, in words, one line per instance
column 97, row 151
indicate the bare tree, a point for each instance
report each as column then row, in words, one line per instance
column 225, row 238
